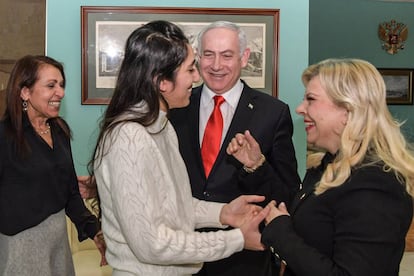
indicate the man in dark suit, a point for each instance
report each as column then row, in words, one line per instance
column 222, row 54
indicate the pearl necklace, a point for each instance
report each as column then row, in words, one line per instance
column 46, row 131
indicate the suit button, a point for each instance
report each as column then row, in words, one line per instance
column 206, row 194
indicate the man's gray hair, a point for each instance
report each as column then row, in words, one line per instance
column 227, row 25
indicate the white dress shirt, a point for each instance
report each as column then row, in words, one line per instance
column 228, row 108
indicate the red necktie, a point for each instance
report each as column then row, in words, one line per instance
column 212, row 136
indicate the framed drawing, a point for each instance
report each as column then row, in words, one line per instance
column 399, row 85
column 105, row 30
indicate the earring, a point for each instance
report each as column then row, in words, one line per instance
column 24, row 104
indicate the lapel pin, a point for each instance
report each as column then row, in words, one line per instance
column 250, row 106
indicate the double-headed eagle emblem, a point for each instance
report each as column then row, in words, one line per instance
column 393, row 36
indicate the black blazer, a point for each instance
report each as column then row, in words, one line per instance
column 270, row 123
column 355, row 229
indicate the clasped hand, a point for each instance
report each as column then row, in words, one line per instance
column 275, row 211
column 87, row 186
column 244, row 214
column 101, row 246
column 87, row 190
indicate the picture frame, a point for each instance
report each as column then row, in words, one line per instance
column 104, row 31
column 399, row 85
column 6, row 66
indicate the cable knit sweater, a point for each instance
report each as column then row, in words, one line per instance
column 148, row 212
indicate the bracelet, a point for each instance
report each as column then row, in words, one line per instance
column 253, row 169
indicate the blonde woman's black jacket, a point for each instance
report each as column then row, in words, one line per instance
column 356, row 229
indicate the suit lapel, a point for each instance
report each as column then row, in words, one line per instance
column 194, row 119
column 242, row 115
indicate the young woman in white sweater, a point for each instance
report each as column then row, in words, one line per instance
column 149, row 216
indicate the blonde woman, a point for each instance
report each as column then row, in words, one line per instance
column 355, row 208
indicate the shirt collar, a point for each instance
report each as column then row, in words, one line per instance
column 232, row 96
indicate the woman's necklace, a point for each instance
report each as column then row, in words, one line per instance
column 46, row 131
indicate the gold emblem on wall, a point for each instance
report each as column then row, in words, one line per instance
column 393, row 36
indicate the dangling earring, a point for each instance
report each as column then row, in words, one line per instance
column 24, row 104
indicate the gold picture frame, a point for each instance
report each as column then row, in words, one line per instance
column 104, row 25
column 399, row 85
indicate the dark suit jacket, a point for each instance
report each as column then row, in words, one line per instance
column 355, row 229
column 270, row 123
column 2, row 102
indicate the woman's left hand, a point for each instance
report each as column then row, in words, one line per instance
column 101, row 245
column 240, row 209
column 276, row 211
